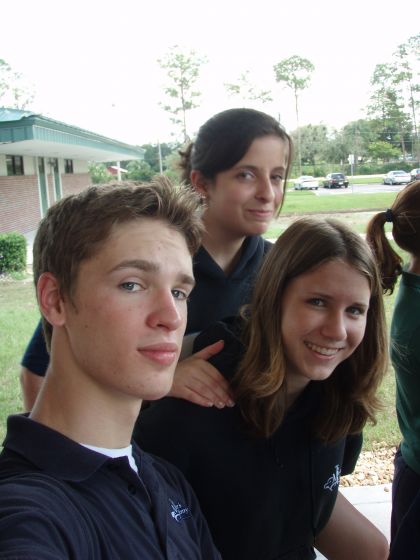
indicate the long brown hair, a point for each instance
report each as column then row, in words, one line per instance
column 405, row 217
column 348, row 396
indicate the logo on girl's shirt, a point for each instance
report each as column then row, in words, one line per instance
column 334, row 480
column 179, row 512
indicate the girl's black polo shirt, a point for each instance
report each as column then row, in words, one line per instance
column 264, row 499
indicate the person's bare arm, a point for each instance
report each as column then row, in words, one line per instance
column 349, row 535
column 30, row 384
column 196, row 380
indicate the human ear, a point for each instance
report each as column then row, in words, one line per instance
column 199, row 182
column 50, row 301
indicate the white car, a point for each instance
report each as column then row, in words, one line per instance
column 415, row 174
column 306, row 182
column 397, row 178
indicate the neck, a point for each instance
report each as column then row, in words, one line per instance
column 294, row 388
column 414, row 265
column 79, row 409
column 225, row 249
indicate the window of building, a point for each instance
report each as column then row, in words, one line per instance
column 68, row 166
column 14, row 165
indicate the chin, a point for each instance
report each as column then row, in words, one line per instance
column 158, row 392
column 260, row 229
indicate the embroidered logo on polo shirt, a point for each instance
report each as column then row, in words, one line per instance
column 334, row 480
column 179, row 512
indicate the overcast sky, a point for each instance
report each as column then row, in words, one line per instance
column 94, row 64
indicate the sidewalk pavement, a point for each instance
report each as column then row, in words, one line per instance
column 374, row 502
column 30, row 235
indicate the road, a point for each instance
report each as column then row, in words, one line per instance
column 372, row 188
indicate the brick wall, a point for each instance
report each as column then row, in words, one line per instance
column 19, row 199
column 19, row 204
column 75, row 183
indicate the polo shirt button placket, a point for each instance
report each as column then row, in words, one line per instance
column 132, row 489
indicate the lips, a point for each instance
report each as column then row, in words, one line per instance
column 163, row 354
column 261, row 214
column 323, row 350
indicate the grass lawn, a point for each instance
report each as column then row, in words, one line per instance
column 355, row 209
column 386, row 430
column 308, row 202
column 18, row 317
column 19, row 313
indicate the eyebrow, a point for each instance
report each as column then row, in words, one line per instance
column 255, row 167
column 150, row 266
column 329, row 298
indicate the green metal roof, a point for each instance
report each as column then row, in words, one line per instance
column 27, row 133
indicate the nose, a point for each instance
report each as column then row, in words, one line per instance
column 166, row 313
column 265, row 190
column 334, row 326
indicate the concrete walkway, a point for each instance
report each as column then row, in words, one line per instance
column 374, row 502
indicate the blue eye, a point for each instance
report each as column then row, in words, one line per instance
column 317, row 302
column 354, row 310
column 277, row 178
column 245, row 175
column 179, row 295
column 130, row 286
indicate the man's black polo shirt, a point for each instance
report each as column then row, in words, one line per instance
column 60, row 500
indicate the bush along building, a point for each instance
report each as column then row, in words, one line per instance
column 42, row 160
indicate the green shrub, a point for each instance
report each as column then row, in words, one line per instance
column 12, row 252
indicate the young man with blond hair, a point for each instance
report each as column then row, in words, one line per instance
column 113, row 272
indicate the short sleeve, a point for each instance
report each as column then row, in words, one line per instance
column 36, row 357
column 351, row 453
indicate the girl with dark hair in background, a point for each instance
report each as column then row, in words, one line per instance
column 404, row 215
column 239, row 163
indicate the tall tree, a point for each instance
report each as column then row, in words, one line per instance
column 356, row 136
column 247, row 91
column 99, row 173
column 183, row 70
column 155, row 154
column 14, row 92
column 407, row 63
column 140, row 170
column 384, row 151
column 295, row 72
column 387, row 104
column 314, row 142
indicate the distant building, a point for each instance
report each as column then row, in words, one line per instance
column 115, row 170
column 42, row 160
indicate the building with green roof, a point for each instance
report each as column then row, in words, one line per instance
column 42, row 160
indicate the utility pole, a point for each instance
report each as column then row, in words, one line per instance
column 160, row 158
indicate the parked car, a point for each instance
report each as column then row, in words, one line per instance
column 397, row 178
column 335, row 180
column 415, row 174
column 306, row 182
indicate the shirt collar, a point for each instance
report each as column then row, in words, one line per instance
column 52, row 452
